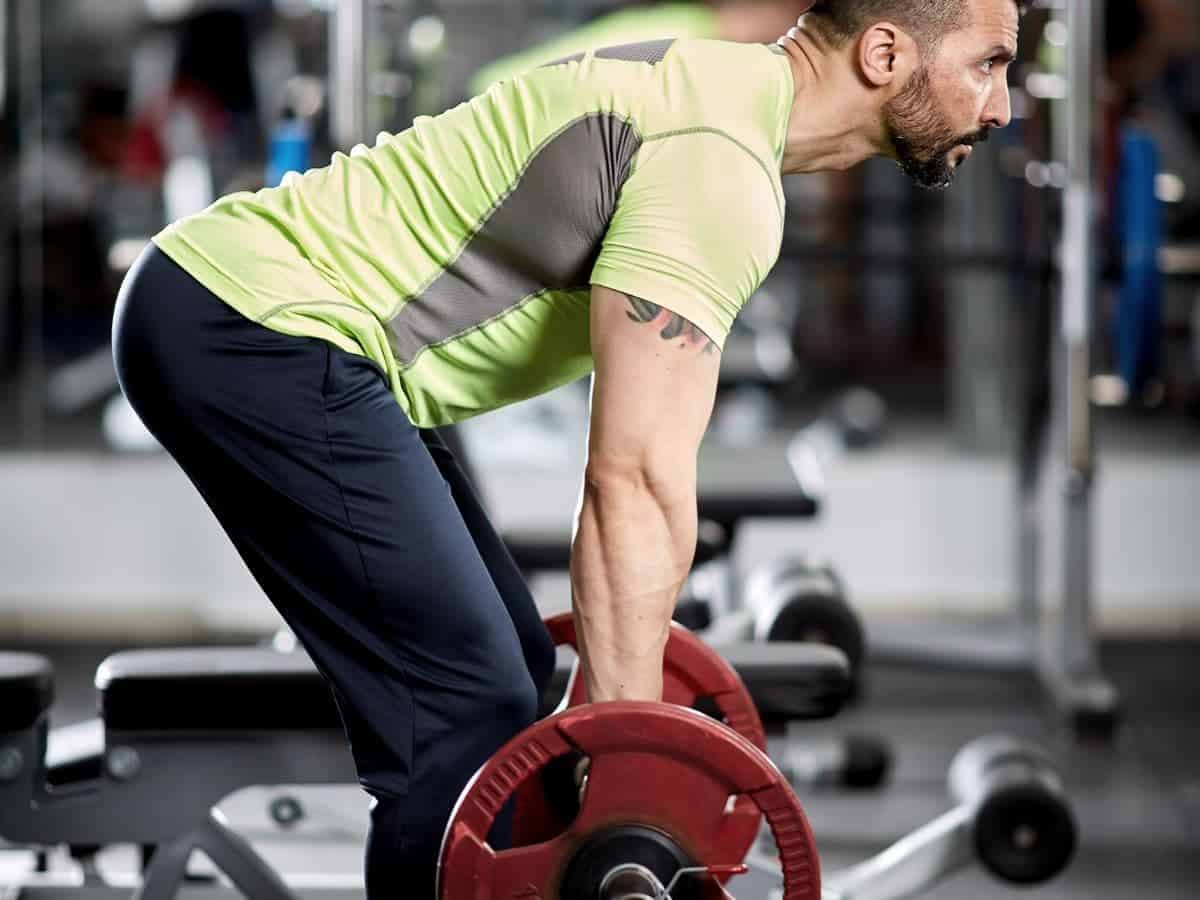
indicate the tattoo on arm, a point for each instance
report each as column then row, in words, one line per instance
column 672, row 324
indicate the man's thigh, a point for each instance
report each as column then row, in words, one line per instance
column 331, row 498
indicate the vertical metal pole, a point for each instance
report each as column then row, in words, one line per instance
column 348, row 72
column 1078, row 288
column 29, row 227
column 1036, row 387
column 3, row 57
column 1088, row 700
column 6, row 218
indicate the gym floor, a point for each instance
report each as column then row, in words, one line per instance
column 1136, row 799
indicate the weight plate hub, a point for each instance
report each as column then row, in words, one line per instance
column 655, row 766
column 593, row 865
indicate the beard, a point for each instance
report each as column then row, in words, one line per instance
column 921, row 136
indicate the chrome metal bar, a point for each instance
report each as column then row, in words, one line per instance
column 911, row 865
column 1070, row 665
column 348, row 72
column 30, row 205
column 3, row 57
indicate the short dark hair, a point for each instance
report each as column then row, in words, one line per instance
column 928, row 21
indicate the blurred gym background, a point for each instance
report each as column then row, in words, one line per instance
column 992, row 448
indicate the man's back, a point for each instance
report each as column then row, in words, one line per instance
column 458, row 255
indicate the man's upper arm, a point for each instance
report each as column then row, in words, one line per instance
column 696, row 229
column 653, row 390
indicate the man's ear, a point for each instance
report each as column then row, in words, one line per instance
column 887, row 55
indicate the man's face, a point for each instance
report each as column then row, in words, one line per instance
column 956, row 97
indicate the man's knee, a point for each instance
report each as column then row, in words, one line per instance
column 493, row 703
column 511, row 704
column 502, row 671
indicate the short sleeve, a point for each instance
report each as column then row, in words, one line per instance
column 697, row 227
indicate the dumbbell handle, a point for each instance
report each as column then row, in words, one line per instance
column 908, row 867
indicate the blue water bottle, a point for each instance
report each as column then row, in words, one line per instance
column 289, row 147
column 1140, row 233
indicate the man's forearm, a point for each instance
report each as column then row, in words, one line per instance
column 631, row 554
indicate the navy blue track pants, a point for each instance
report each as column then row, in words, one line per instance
column 365, row 535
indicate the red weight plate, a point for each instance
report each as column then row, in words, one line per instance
column 653, row 764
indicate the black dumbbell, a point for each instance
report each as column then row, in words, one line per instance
column 854, row 761
column 1024, row 831
column 795, row 599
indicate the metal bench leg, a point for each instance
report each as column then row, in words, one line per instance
column 167, row 869
column 234, row 856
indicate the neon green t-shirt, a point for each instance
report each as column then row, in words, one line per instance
column 625, row 26
column 459, row 254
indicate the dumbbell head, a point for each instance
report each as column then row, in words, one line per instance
column 853, row 761
column 1024, row 829
column 655, row 767
column 868, row 759
column 796, row 599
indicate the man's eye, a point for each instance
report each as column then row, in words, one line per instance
column 988, row 64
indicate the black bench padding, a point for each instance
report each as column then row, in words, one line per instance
column 254, row 688
column 26, row 689
column 222, row 688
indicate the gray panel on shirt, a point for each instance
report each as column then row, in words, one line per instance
column 545, row 234
column 574, row 57
column 643, row 51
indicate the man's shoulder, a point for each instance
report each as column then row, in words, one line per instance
column 716, row 52
column 732, row 81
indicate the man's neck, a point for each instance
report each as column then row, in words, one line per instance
column 833, row 124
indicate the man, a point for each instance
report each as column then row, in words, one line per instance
column 607, row 213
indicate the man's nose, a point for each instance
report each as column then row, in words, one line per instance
column 998, row 112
